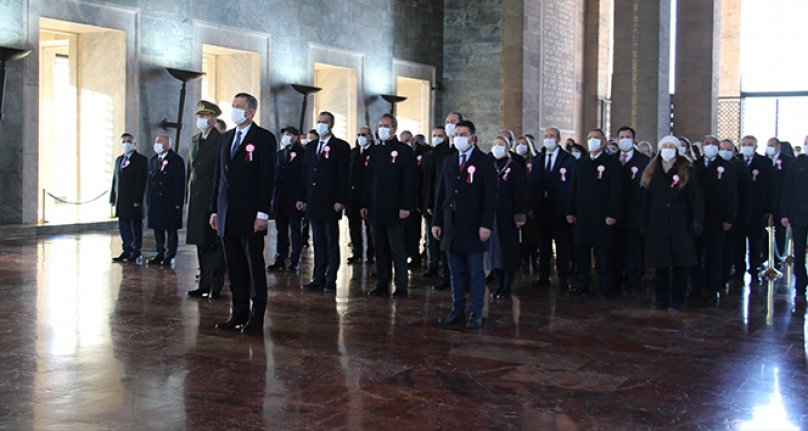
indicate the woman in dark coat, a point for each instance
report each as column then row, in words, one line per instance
column 529, row 247
column 674, row 210
column 503, row 248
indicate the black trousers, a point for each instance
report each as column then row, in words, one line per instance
column 212, row 266
column 756, row 235
column 326, row 250
column 628, row 252
column 166, row 251
column 709, row 272
column 779, row 239
column 131, row 235
column 361, row 233
column 583, row 264
column 555, row 228
column 734, row 252
column 668, row 293
column 412, row 232
column 799, row 235
column 248, row 281
column 391, row 252
column 433, row 253
column 288, row 227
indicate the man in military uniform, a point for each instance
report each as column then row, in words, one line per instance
column 202, row 172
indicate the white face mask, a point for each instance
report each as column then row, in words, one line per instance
column 594, row 144
column 462, row 143
column 128, row 147
column 322, row 129
column 158, row 147
column 384, row 133
column 667, row 154
column 710, row 151
column 771, row 151
column 550, row 144
column 576, row 154
column 436, row 140
column 521, row 149
column 499, row 151
column 748, row 151
column 726, row 154
column 805, row 148
column 201, row 123
column 682, row 150
column 450, row 130
column 237, row 115
column 625, row 144
column 363, row 141
column 286, row 140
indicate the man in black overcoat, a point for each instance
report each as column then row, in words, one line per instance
column 166, row 196
column 126, row 194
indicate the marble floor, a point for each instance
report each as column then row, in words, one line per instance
column 90, row 345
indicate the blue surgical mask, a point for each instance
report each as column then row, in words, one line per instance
column 576, row 154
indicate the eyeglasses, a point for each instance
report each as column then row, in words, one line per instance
column 361, row 134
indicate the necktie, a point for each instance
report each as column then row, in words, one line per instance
column 748, row 161
column 123, row 163
column 320, row 148
column 623, row 159
column 549, row 166
column 236, row 144
column 462, row 161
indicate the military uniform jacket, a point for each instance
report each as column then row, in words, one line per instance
column 201, row 175
column 595, row 194
column 389, row 182
column 719, row 186
column 325, row 179
column 166, row 193
column 129, row 186
column 287, row 183
column 360, row 158
column 465, row 202
column 244, row 183
column 631, row 216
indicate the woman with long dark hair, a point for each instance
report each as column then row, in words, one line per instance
column 674, row 210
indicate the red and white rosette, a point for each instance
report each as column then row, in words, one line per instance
column 125, row 164
column 601, row 170
column 326, row 152
column 779, row 164
column 393, row 156
column 367, row 159
column 563, row 172
column 720, row 171
column 529, row 167
column 250, row 148
column 675, row 181
column 292, row 156
column 755, row 173
column 634, row 171
column 505, row 176
column 418, row 160
column 470, row 170
column 163, row 165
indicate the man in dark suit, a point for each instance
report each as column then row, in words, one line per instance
column 360, row 228
column 548, row 193
column 166, row 195
column 430, row 163
column 794, row 211
column 781, row 163
column 412, row 231
column 464, row 216
column 288, row 223
column 322, row 195
column 126, row 194
column 241, row 203
column 762, row 202
column 629, row 241
column 387, row 202
column 719, row 186
column 594, row 208
column 202, row 161
column 735, row 246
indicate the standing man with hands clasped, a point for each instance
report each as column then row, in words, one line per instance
column 166, row 197
column 240, row 209
column 126, row 194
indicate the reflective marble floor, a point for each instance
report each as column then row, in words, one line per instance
column 89, row 345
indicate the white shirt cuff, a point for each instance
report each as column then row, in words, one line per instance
column 262, row 216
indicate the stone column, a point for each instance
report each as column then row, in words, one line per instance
column 640, row 82
column 597, row 65
column 695, row 101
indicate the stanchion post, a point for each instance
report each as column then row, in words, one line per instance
column 771, row 273
column 44, row 219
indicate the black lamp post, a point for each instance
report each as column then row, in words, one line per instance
column 305, row 90
column 184, row 76
column 393, row 100
column 8, row 54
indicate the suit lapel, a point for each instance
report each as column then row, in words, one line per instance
column 244, row 141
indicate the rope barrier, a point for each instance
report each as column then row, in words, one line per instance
column 60, row 200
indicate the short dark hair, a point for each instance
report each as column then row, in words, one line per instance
column 624, row 128
column 393, row 120
column 330, row 117
column 460, row 116
column 467, row 124
column 599, row 130
column 127, row 135
column 439, row 127
column 290, row 129
column 221, row 122
column 313, row 132
column 252, row 102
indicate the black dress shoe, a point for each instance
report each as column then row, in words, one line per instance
column 543, row 281
column 441, row 286
column 503, row 293
column 314, row 285
column 168, row 261
column 198, row 293
column 156, row 260
column 379, row 291
column 215, row 295
column 277, row 266
column 429, row 273
column 330, row 288
column 401, row 294
column 371, row 260
column 293, row 267
column 354, row 259
column 475, row 321
column 121, row 259
column 253, row 327
column 452, row 318
column 231, row 325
